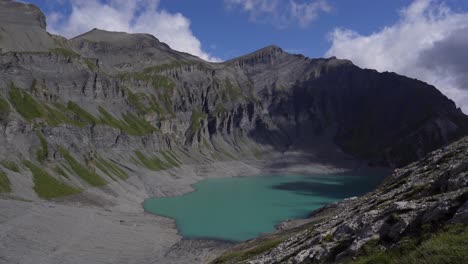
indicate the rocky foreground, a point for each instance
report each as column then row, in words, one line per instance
column 394, row 224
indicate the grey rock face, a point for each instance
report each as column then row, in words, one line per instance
column 23, row 28
column 119, row 52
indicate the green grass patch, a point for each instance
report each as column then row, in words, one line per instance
column 5, row 185
column 11, row 165
column 46, row 186
column 84, row 172
column 152, row 162
column 25, row 104
column 110, row 168
column 171, row 159
column 163, row 88
column 131, row 124
column 197, row 116
column 135, row 125
column 327, row 238
column 220, row 108
column 232, row 91
column 447, row 246
column 43, row 151
column 65, row 52
column 60, row 171
column 91, row 65
column 73, row 114
column 29, row 109
column 82, row 115
column 104, row 169
column 243, row 255
column 144, row 104
column 115, row 169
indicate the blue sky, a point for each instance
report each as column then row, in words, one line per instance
column 403, row 36
column 227, row 31
column 234, row 32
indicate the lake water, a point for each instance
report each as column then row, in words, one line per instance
column 242, row 208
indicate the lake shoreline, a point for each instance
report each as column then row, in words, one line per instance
column 312, row 171
column 102, row 224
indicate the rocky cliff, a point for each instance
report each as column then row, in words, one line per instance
column 418, row 215
column 108, row 103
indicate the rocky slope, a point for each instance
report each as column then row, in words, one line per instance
column 386, row 226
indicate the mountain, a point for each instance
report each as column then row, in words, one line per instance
column 23, row 28
column 108, row 119
column 418, row 215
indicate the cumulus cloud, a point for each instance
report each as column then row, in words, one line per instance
column 281, row 13
column 429, row 42
column 134, row 16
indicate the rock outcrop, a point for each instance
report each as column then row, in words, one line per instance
column 23, row 28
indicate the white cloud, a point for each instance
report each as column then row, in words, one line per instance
column 281, row 13
column 429, row 42
column 134, row 16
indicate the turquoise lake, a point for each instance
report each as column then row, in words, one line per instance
column 241, row 208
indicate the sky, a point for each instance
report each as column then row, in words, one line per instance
column 423, row 39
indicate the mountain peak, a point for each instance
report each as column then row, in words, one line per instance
column 12, row 12
column 273, row 48
column 23, row 28
column 268, row 55
column 101, row 35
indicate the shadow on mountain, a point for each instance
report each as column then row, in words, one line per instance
column 332, row 188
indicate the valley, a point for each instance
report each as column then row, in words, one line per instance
column 93, row 126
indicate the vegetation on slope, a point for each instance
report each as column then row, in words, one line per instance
column 171, row 158
column 30, row 109
column 43, row 151
column 161, row 101
column 73, row 114
column 242, row 255
column 155, row 163
column 59, row 170
column 84, row 172
column 447, row 246
column 197, row 117
column 110, row 169
column 68, row 53
column 144, row 104
column 131, row 124
column 46, row 186
column 5, row 185
column 152, row 162
column 25, row 104
column 11, row 165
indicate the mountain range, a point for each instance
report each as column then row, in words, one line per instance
column 89, row 121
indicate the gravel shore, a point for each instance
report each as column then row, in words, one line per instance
column 108, row 225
